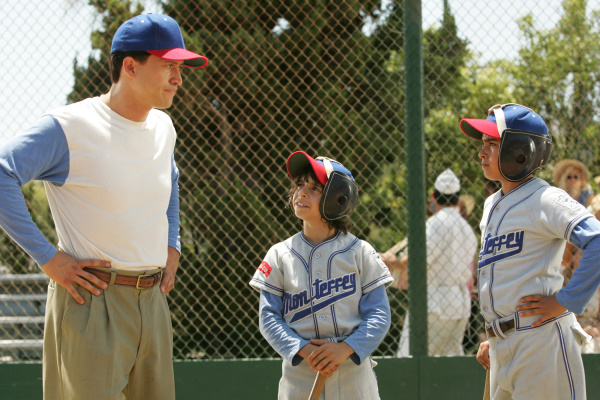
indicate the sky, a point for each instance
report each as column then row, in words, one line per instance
column 42, row 38
column 491, row 26
column 40, row 41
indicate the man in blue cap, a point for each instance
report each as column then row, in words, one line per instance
column 109, row 172
column 534, row 340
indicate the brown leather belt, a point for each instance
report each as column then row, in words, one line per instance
column 138, row 282
column 504, row 327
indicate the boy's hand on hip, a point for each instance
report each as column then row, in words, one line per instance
column 66, row 270
column 546, row 306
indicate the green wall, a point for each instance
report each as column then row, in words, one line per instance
column 424, row 378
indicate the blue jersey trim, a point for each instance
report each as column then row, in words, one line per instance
column 335, row 324
column 297, row 255
column 490, row 292
column 566, row 361
column 368, row 285
column 510, row 208
column 575, row 222
column 266, row 285
column 336, row 253
column 520, row 328
column 584, row 283
column 310, row 278
column 496, row 258
column 329, row 262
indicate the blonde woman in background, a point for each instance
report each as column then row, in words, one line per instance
column 573, row 177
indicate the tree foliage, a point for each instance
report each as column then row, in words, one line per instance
column 558, row 73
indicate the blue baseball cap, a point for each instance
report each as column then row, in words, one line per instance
column 158, row 35
column 322, row 166
column 505, row 116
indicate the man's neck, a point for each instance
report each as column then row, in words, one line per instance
column 118, row 100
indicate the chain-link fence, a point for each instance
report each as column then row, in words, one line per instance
column 322, row 76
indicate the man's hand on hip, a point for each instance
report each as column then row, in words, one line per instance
column 66, row 270
column 168, row 280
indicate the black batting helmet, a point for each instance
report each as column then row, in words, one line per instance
column 525, row 145
column 340, row 193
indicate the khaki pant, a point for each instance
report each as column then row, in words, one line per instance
column 116, row 345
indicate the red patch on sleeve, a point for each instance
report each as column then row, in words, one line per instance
column 265, row 268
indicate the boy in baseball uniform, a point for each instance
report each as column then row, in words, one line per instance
column 323, row 305
column 534, row 340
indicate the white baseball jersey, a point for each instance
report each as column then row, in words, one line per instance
column 523, row 238
column 524, row 234
column 321, row 286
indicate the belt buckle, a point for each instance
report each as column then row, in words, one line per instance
column 137, row 285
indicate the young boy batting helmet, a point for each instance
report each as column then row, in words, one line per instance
column 525, row 144
column 340, row 193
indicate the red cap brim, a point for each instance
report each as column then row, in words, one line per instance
column 299, row 160
column 190, row 59
column 476, row 128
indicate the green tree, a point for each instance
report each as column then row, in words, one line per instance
column 445, row 79
column 557, row 73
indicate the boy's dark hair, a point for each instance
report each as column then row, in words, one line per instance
column 116, row 62
column 446, row 199
column 343, row 224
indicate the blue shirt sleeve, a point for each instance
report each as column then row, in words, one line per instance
column 376, row 320
column 278, row 333
column 576, row 295
column 40, row 153
column 173, row 209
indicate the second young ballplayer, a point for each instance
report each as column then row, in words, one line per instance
column 534, row 346
column 323, row 305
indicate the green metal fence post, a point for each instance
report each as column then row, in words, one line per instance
column 417, row 270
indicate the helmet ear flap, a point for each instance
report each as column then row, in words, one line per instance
column 522, row 153
column 521, row 158
column 340, row 197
